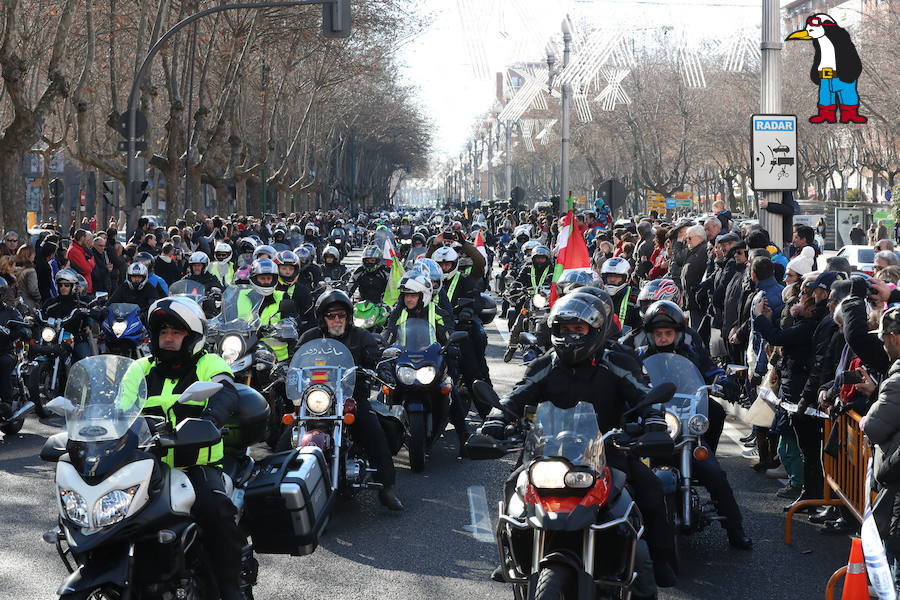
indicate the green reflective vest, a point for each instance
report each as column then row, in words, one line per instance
column 159, row 402
column 434, row 320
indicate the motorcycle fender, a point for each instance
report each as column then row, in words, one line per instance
column 586, row 588
column 97, row 574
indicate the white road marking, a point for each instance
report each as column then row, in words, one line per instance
column 480, row 528
column 502, row 329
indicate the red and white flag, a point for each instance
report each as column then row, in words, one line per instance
column 389, row 252
column 571, row 250
column 479, row 244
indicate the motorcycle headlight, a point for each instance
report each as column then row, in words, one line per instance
column 406, row 375
column 698, row 425
column 539, row 301
column 113, row 507
column 74, row 507
column 48, row 334
column 338, row 240
column 549, row 474
column 426, row 375
column 579, row 479
column 231, row 348
column 119, row 328
column 674, row 425
column 318, row 401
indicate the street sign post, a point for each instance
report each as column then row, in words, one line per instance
column 774, row 151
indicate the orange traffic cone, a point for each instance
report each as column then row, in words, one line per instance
column 856, row 585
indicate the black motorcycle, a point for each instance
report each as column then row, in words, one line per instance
column 423, row 386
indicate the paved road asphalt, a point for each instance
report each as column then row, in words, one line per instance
column 428, row 550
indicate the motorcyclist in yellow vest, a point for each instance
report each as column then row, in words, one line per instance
column 264, row 279
column 223, row 268
column 288, row 287
column 531, row 278
column 177, row 339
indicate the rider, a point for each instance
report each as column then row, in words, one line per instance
column 664, row 327
column 578, row 365
column 9, row 333
column 223, row 254
column 531, row 278
column 198, row 265
column 135, row 290
column 309, row 274
column 63, row 305
column 332, row 267
column 615, row 273
column 334, row 313
column 287, row 287
column 371, row 277
column 177, row 339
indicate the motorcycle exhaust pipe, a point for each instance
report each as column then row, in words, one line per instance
column 28, row 407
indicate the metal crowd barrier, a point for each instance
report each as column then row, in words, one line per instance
column 845, row 473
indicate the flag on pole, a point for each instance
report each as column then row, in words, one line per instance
column 392, row 289
column 389, row 252
column 479, row 244
column 571, row 250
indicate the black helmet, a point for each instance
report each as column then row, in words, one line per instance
column 574, row 348
column 328, row 300
column 572, row 280
column 664, row 314
column 604, row 297
column 418, row 238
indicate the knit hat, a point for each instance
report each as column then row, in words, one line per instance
column 803, row 262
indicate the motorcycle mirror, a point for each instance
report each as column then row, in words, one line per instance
column 198, row 391
column 100, row 295
column 391, row 353
column 527, row 339
column 483, row 447
column 197, row 432
column 60, row 406
column 456, row 337
column 659, row 394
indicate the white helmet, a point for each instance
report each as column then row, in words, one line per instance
column 269, row 251
column 199, row 258
column 528, row 247
column 263, row 266
column 332, row 251
column 134, row 269
column 417, row 282
column 182, row 313
column 615, row 266
column 223, row 248
column 447, row 254
column 66, row 276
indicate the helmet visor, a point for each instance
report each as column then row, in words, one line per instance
column 570, row 309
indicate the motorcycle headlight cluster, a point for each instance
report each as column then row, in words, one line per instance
column 674, row 425
column 539, row 301
column 108, row 510
column 557, row 475
column 119, row 328
column 698, row 425
column 231, row 348
column 318, row 401
column 48, row 334
column 424, row 375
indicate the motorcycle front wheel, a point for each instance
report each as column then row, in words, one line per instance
column 555, row 582
column 104, row 593
column 13, row 427
column 38, row 387
column 416, row 444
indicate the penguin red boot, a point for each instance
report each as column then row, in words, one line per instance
column 827, row 114
column 849, row 114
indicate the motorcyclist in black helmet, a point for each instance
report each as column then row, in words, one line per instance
column 579, row 364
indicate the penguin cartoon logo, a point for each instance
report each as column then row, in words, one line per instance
column 835, row 69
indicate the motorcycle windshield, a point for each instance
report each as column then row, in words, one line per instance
column 187, row 288
column 416, row 335
column 338, row 233
column 323, row 362
column 570, row 433
column 381, row 236
column 108, row 393
column 240, row 310
column 414, row 253
column 121, row 310
column 690, row 396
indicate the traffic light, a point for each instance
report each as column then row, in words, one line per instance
column 137, row 193
column 111, row 192
column 336, row 19
column 57, row 193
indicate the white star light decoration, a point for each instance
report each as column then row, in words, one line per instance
column 741, row 51
column 613, row 93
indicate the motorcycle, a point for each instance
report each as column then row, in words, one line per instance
column 233, row 334
column 570, row 528
column 687, row 417
column 370, row 316
column 123, row 331
column 124, row 526
column 50, row 357
column 423, row 385
column 21, row 403
column 339, row 240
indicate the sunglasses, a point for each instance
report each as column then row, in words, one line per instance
column 818, row 22
column 9, row 241
column 336, row 316
column 68, row 285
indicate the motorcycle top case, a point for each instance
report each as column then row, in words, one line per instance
column 287, row 502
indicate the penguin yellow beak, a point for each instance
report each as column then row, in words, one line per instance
column 799, row 35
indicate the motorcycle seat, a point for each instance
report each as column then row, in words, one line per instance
column 237, row 470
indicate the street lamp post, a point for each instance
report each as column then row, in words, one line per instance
column 508, row 125
column 565, row 96
column 490, row 168
column 770, row 101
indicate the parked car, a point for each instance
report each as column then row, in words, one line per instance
column 861, row 257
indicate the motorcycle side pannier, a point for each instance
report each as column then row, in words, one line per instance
column 287, row 502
